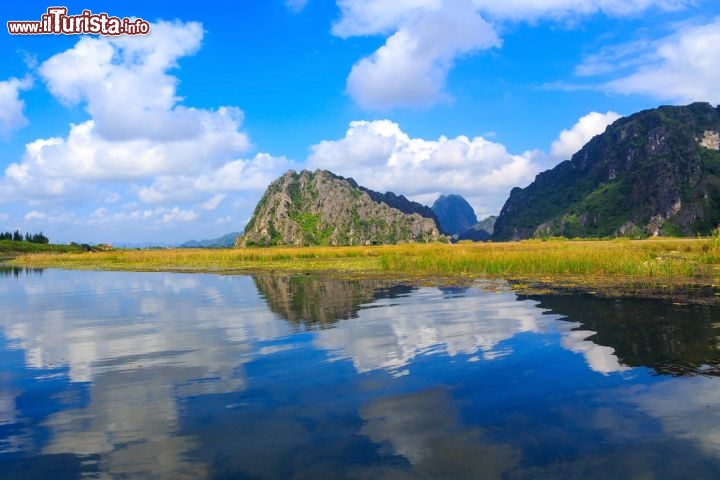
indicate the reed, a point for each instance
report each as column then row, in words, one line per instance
column 606, row 258
column 660, row 259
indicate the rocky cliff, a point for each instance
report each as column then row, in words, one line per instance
column 656, row 172
column 321, row 208
column 454, row 214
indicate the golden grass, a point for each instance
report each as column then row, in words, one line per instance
column 291, row 259
column 659, row 259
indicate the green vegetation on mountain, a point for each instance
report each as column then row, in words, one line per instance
column 481, row 231
column 654, row 173
column 320, row 208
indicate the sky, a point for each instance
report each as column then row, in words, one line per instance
column 174, row 135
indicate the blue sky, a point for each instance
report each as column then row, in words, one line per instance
column 175, row 135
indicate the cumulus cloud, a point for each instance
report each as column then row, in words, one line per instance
column 85, row 155
column 124, row 84
column 425, row 38
column 573, row 139
column 141, row 144
column 412, row 65
column 381, row 156
column 682, row 67
column 238, row 175
column 12, row 106
column 138, row 129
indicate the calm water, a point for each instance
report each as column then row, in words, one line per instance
column 158, row 375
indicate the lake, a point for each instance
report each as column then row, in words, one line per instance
column 117, row 375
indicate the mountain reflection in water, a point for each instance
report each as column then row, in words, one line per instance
column 317, row 301
column 160, row 375
column 671, row 339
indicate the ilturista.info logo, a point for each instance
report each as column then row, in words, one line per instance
column 56, row 21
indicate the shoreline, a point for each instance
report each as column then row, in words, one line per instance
column 677, row 270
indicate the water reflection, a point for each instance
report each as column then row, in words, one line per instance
column 449, row 320
column 429, row 322
column 139, row 342
column 689, row 409
column 424, row 428
column 18, row 271
column 317, row 301
column 137, row 375
column 669, row 338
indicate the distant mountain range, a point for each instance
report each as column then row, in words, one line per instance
column 481, row 231
column 227, row 240
column 656, row 172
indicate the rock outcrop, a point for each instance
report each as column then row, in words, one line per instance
column 454, row 214
column 656, row 172
column 321, row 208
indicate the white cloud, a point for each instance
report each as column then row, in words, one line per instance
column 214, row 202
column 254, row 174
column 411, row 68
column 191, row 203
column 156, row 216
column 35, row 215
column 424, row 39
column 11, row 106
column 138, row 129
column 124, row 83
column 369, row 17
column 238, row 175
column 615, row 58
column 176, row 214
column 573, row 139
column 85, row 155
column 141, row 143
column 381, row 156
column 683, row 67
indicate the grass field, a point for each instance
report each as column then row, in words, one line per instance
column 587, row 264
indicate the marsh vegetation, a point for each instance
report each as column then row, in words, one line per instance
column 585, row 264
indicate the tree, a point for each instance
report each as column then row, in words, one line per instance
column 18, row 237
column 39, row 238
